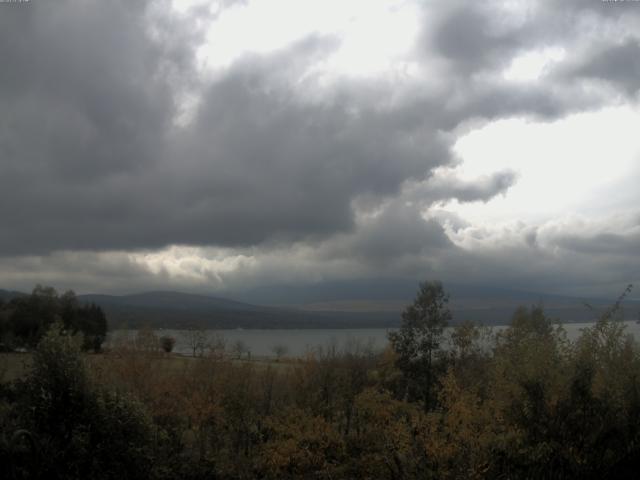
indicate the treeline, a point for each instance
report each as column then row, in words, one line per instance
column 526, row 403
column 25, row 319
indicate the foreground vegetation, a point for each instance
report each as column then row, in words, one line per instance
column 526, row 403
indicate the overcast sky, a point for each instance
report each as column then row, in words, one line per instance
column 214, row 146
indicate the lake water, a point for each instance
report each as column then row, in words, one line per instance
column 297, row 343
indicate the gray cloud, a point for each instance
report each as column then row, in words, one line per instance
column 467, row 38
column 618, row 64
column 442, row 188
column 397, row 232
column 602, row 243
column 92, row 160
column 83, row 114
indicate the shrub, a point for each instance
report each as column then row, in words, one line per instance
column 76, row 429
column 167, row 343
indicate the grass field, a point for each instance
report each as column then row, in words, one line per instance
column 16, row 365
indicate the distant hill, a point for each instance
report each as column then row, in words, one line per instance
column 484, row 304
column 390, row 289
column 171, row 300
column 368, row 305
column 182, row 310
column 7, row 295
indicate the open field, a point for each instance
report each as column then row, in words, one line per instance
column 16, row 365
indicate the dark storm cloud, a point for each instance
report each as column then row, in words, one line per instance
column 78, row 96
column 398, row 231
column 83, row 115
column 267, row 162
column 92, row 158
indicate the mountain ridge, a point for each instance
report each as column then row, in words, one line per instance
column 175, row 309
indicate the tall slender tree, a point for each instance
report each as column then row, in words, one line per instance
column 419, row 339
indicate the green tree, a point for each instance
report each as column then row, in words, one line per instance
column 419, row 338
column 28, row 318
column 32, row 315
column 77, row 429
column 92, row 322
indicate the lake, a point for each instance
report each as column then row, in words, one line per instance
column 298, row 342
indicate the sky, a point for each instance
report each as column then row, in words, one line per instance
column 220, row 146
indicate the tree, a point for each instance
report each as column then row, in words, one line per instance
column 29, row 317
column 167, row 343
column 32, row 315
column 419, row 338
column 77, row 428
column 197, row 339
column 468, row 354
column 93, row 324
column 279, row 350
column 239, row 347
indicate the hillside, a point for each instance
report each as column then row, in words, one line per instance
column 179, row 310
column 347, row 307
column 486, row 304
column 7, row 295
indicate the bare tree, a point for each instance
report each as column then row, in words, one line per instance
column 279, row 350
column 217, row 345
column 239, row 347
column 197, row 339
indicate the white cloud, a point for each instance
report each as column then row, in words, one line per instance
column 372, row 35
column 570, row 165
column 193, row 264
column 532, row 65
